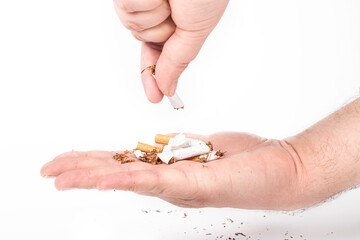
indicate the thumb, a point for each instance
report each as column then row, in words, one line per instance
column 178, row 51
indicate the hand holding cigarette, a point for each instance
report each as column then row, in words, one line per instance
column 172, row 33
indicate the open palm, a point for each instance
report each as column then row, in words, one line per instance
column 254, row 173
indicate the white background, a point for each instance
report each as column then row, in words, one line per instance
column 69, row 79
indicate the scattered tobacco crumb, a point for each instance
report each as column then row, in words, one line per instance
column 150, row 69
column 144, row 211
column 230, row 220
column 123, row 157
column 185, row 215
column 240, row 233
column 157, row 211
column 219, row 153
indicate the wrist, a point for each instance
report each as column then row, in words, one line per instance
column 317, row 181
column 329, row 154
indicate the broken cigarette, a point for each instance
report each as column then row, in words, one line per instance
column 148, row 148
column 162, row 139
column 180, row 148
column 176, row 102
column 183, row 153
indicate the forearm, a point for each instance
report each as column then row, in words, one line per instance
column 330, row 153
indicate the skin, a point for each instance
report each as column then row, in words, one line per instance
column 255, row 173
column 172, row 33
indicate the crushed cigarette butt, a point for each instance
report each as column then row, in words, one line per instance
column 176, row 102
column 171, row 149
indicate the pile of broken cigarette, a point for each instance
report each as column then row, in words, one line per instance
column 170, row 149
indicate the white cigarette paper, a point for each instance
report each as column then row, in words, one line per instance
column 181, row 148
column 176, row 102
column 138, row 153
column 212, row 156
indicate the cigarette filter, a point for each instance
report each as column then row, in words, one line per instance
column 148, row 148
column 162, row 139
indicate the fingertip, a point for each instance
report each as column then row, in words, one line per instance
column 152, row 91
column 60, row 184
column 45, row 171
column 50, row 169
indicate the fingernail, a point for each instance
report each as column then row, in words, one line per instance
column 172, row 88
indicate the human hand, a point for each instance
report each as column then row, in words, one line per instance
column 172, row 32
column 255, row 173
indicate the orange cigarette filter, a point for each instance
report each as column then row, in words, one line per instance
column 162, row 139
column 148, row 148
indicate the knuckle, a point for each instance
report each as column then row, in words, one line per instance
column 125, row 5
column 137, row 36
column 177, row 62
column 156, row 3
column 133, row 26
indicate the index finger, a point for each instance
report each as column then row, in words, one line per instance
column 149, row 57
